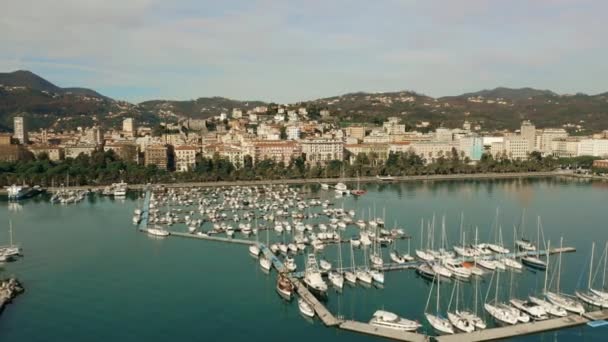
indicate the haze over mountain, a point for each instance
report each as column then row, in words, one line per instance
column 25, row 93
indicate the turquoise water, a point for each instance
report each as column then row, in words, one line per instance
column 90, row 276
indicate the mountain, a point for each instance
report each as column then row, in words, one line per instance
column 510, row 93
column 47, row 105
column 27, row 79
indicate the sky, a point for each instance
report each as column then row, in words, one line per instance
column 286, row 51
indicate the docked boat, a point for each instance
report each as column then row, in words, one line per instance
column 312, row 275
column 564, row 301
column 390, row 320
column 290, row 264
column 157, row 231
column 254, row 250
column 535, row 311
column 325, row 265
column 305, row 308
column 19, row 192
column 285, row 287
column 439, row 323
column 534, row 262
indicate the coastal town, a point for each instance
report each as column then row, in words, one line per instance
column 248, row 137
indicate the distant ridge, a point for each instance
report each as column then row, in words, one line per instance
column 510, row 93
column 24, row 78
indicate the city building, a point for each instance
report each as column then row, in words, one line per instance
column 528, row 132
column 128, row 127
column 157, row 155
column 292, row 132
column 593, row 147
column 319, row 151
column 9, row 151
column 20, row 130
column 376, row 152
column 73, row 151
column 565, row 147
column 471, row 147
column 233, row 153
column 54, row 153
column 125, row 150
column 545, row 137
column 600, row 164
column 357, row 132
column 512, row 147
column 185, row 158
column 278, row 151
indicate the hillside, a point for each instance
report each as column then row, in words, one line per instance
column 24, row 93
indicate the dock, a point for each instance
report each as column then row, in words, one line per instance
column 524, row 329
column 211, row 238
column 324, row 315
column 393, row 334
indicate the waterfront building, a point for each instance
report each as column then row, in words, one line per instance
column 528, row 132
column 600, row 164
column 471, row 147
column 20, row 130
column 433, row 149
column 185, row 158
column 376, row 152
column 593, row 147
column 157, row 155
column 232, row 153
column 319, row 151
column 278, row 151
column 545, row 136
column 565, row 147
column 513, row 147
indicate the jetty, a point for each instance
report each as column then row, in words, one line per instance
column 524, row 329
column 393, row 334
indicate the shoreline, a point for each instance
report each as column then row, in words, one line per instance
column 349, row 180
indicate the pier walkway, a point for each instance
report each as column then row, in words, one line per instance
column 326, row 317
column 145, row 211
column 211, row 238
column 523, row 329
column 393, row 334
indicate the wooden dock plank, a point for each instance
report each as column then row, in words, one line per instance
column 368, row 329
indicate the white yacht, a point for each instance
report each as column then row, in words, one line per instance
column 535, row 311
column 254, row 250
column 265, row 263
column 157, row 231
column 390, row 320
column 312, row 275
column 305, row 308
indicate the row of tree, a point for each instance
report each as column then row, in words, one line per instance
column 105, row 167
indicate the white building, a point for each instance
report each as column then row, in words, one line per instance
column 513, row 147
column 185, row 158
column 528, row 132
column 128, row 127
column 593, row 147
column 320, row 150
column 293, row 132
column 237, row 113
column 565, row 147
column 20, row 130
column 546, row 136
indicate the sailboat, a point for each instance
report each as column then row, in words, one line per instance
column 441, row 324
column 566, row 302
column 376, row 256
column 472, row 316
column 459, row 322
column 335, row 277
column 522, row 243
column 358, row 191
column 350, row 276
column 363, row 273
column 12, row 249
column 254, row 249
column 511, row 262
column 498, row 311
column 588, row 296
column 265, row 262
column 602, row 293
column 535, row 261
column 549, row 307
column 421, row 253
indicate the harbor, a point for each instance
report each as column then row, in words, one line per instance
column 319, row 309
column 347, row 312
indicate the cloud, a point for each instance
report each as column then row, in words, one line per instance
column 290, row 50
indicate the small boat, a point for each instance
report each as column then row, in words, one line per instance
column 290, row 264
column 157, row 231
column 265, row 263
column 305, row 308
column 534, row 262
column 324, row 186
column 364, row 276
column 377, row 276
column 325, row 265
column 254, row 250
column 390, row 320
column 336, row 279
column 284, row 287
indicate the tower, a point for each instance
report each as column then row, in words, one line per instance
column 528, row 132
column 20, row 130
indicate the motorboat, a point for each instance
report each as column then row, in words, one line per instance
column 305, row 308
column 157, row 231
column 265, row 263
column 312, row 275
column 390, row 320
column 254, row 250
column 534, row 262
column 325, row 265
column 336, row 279
column 285, row 287
column 290, row 264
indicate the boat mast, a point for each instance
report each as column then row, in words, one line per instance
column 538, row 237
column 605, row 261
column 496, row 292
column 559, row 268
column 591, row 264
column 461, row 223
column 422, row 234
column 340, row 251
column 547, row 268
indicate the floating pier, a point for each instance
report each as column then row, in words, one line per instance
column 524, row 329
column 393, row 334
column 326, row 317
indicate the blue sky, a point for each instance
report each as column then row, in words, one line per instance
column 298, row 50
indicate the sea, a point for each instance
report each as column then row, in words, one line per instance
column 90, row 275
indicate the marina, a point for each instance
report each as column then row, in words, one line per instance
column 243, row 226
